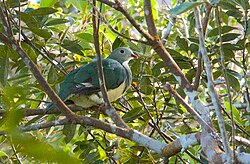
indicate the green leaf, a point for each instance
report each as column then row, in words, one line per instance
column 29, row 20
column 86, row 36
column 91, row 156
column 224, row 29
column 80, row 5
column 233, row 82
column 69, row 131
column 15, row 3
column 42, row 33
column 4, row 64
column 248, row 25
column 229, row 37
column 85, row 45
column 235, row 111
column 47, row 3
column 118, row 43
column 156, row 71
column 43, row 11
column 184, row 7
column 133, row 114
column 52, row 75
column 29, row 50
column 146, row 87
column 72, row 46
column 245, row 4
column 41, row 150
column 182, row 43
column 56, row 22
column 154, row 9
column 3, row 154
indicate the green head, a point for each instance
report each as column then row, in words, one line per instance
column 122, row 54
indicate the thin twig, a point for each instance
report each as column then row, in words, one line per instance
column 103, row 148
column 19, row 160
column 114, row 30
column 189, row 109
column 109, row 110
column 242, row 141
column 118, row 6
column 156, row 127
column 224, row 70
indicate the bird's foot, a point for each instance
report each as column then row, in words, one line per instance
column 101, row 107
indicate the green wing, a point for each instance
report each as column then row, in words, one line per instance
column 84, row 80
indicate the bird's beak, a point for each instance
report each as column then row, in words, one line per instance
column 134, row 56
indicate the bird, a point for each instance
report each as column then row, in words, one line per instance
column 81, row 86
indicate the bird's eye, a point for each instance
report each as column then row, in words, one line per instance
column 122, row 51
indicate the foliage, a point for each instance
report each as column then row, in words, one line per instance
column 62, row 32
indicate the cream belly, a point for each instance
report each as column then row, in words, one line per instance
column 87, row 101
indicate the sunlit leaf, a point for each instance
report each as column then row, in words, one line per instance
column 183, row 7
column 85, row 36
column 72, row 46
column 224, row 29
column 3, row 154
column 4, row 63
column 118, row 43
column 154, row 9
column 56, row 22
column 42, row 11
column 47, row 3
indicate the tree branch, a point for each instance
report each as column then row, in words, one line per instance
column 242, row 141
column 195, row 114
column 148, row 14
column 167, row 30
column 200, row 60
column 224, row 71
column 210, row 86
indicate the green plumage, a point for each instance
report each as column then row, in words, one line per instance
column 82, row 85
column 74, row 82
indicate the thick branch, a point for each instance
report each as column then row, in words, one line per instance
column 148, row 14
column 243, row 141
column 200, row 61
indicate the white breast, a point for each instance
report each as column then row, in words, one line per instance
column 114, row 94
column 87, row 101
